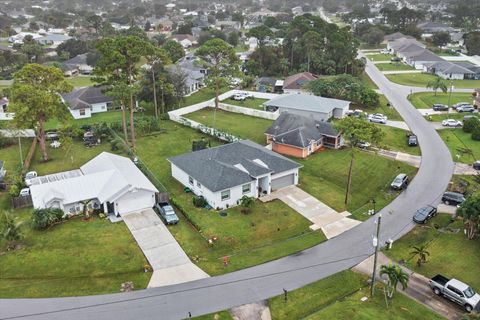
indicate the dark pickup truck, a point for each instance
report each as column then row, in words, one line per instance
column 456, row 291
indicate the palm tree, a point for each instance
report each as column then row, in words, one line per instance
column 437, row 83
column 421, row 252
column 10, row 230
column 395, row 276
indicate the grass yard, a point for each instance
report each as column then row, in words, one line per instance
column 462, row 147
column 270, row 231
column 241, row 126
column 80, row 81
column 396, row 140
column 201, row 95
column 255, row 103
column 338, row 297
column 367, row 81
column 425, row 100
column 441, row 117
column 379, row 57
column 387, row 110
column 421, row 80
column 325, row 174
column 393, row 66
column 451, row 254
column 222, row 315
column 108, row 117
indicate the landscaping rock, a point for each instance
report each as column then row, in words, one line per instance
column 127, row 286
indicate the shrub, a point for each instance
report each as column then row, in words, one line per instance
column 199, row 202
column 471, row 124
column 476, row 134
column 247, row 204
column 9, row 229
column 14, row 190
column 44, row 218
column 114, row 145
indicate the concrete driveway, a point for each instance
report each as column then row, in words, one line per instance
column 169, row 262
column 323, row 217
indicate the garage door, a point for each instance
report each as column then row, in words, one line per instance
column 283, row 182
column 134, row 202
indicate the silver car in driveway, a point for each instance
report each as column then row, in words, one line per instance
column 451, row 123
column 378, row 118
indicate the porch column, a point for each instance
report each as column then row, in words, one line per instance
column 105, row 208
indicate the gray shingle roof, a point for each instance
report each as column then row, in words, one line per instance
column 396, row 36
column 298, row 130
column 84, row 97
column 450, row 67
column 425, row 55
column 78, row 60
column 307, row 102
column 231, row 165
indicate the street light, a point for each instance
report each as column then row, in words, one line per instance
column 373, row 202
column 450, row 98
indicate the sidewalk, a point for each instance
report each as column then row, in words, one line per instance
column 418, row 288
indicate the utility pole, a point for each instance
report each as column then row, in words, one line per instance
column 375, row 245
column 449, row 98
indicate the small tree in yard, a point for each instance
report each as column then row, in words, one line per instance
column 471, row 125
column 395, row 276
column 247, row 204
column 35, row 99
column 437, row 84
column 10, row 230
column 420, row 252
column 355, row 130
column 469, row 210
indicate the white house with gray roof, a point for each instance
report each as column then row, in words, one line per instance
column 314, row 107
column 225, row 174
column 83, row 102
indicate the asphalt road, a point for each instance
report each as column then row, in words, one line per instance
column 269, row 279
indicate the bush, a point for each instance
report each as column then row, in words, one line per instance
column 44, row 218
column 14, row 190
column 114, row 145
column 476, row 134
column 199, row 202
column 471, row 124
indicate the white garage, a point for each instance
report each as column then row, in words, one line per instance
column 282, row 182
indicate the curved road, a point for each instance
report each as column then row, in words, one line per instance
column 267, row 280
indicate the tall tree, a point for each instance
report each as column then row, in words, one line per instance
column 174, row 50
column 469, row 210
column 95, row 22
column 156, row 56
column 436, row 84
column 441, row 39
column 222, row 63
column 118, row 66
column 395, row 276
column 355, row 130
column 35, row 99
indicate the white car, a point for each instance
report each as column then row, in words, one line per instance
column 239, row 97
column 29, row 176
column 378, row 118
column 247, row 95
column 385, row 51
column 451, row 123
column 25, row 192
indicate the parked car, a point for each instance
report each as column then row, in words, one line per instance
column 422, row 215
column 52, row 135
column 385, row 51
column 412, row 140
column 476, row 165
column 363, row 144
column 247, row 95
column 25, row 192
column 451, row 123
column 29, row 176
column 167, row 213
column 453, row 198
column 357, row 113
column 239, row 97
column 465, row 108
column 378, row 118
column 456, row 291
column 459, row 104
column 440, row 107
column 395, row 59
column 400, row 182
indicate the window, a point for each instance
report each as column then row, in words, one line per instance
column 190, row 180
column 246, row 188
column 82, row 112
column 225, row 195
column 199, row 185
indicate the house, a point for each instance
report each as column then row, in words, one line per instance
column 265, row 84
column 396, row 36
column 419, row 59
column 431, row 27
column 53, row 40
column 314, row 107
column 85, row 101
column 186, row 40
column 228, row 25
column 397, row 45
column 79, row 63
column 225, row 174
column 295, row 83
column 450, row 70
column 299, row 136
column 108, row 182
column 3, row 104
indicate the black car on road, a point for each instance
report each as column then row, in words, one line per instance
column 424, row 214
column 439, row 107
column 412, row 140
column 453, row 198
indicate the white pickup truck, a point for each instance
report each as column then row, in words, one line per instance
column 456, row 291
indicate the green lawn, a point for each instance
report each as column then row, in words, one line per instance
column 393, row 66
column 379, row 57
column 80, row 81
column 396, row 140
column 271, row 231
column 222, row 315
column 338, row 297
column 249, row 103
column 421, row 80
column 202, row 95
column 241, row 126
column 441, row 117
column 108, row 117
column 387, row 110
column 451, row 254
column 324, row 176
column 462, row 147
column 425, row 100
column 367, row 81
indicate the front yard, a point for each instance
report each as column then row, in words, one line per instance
column 451, row 253
column 386, row 109
column 425, row 100
column 393, row 66
column 421, row 80
column 379, row 57
column 254, row 103
column 461, row 145
column 80, row 81
column 396, row 140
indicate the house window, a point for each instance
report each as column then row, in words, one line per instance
column 190, row 180
column 82, row 112
column 199, row 185
column 225, row 195
column 246, row 188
